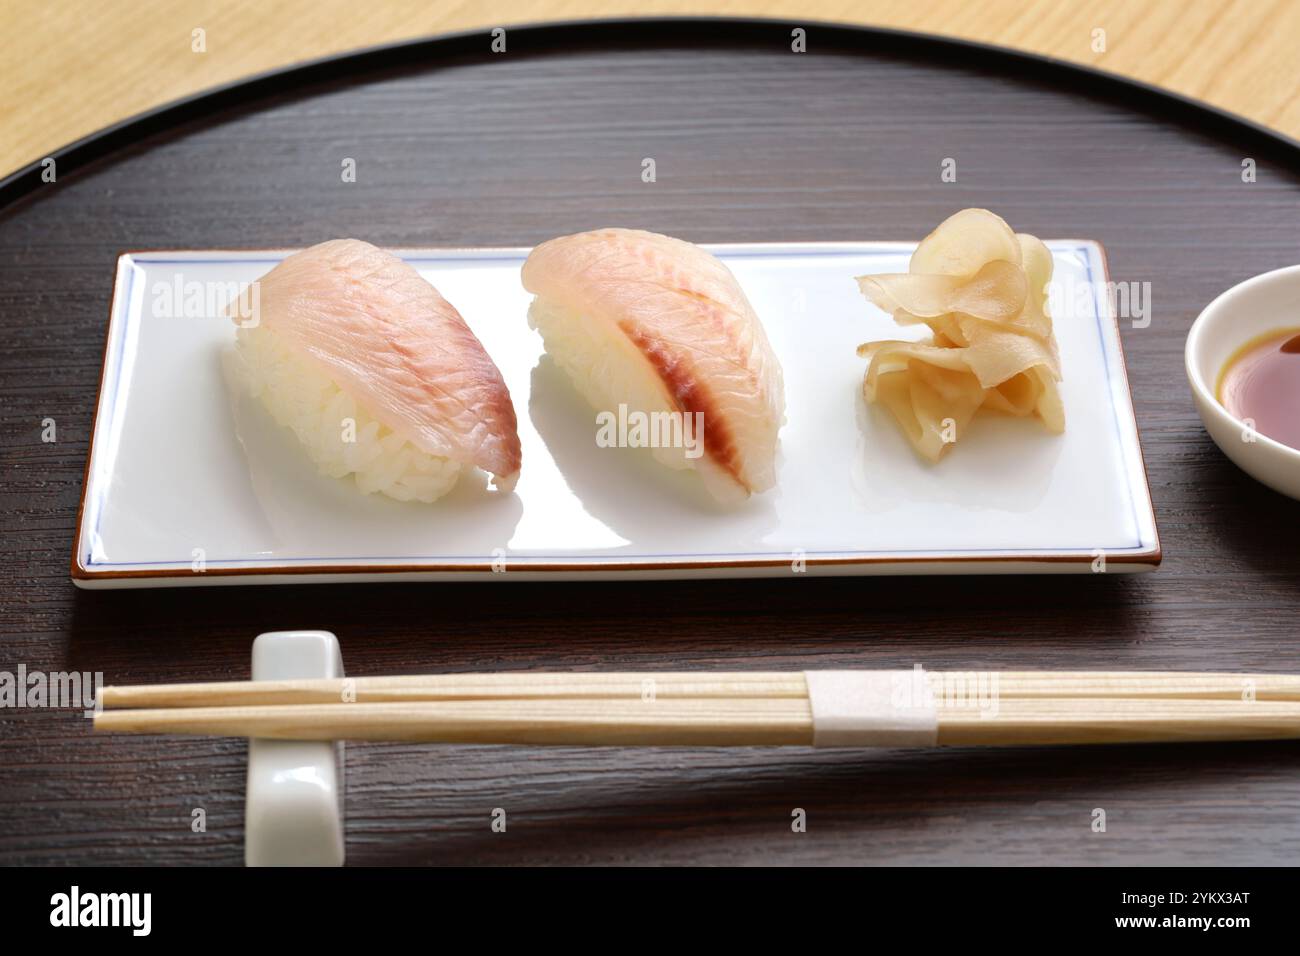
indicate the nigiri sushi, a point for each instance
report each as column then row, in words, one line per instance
column 658, row 325
column 377, row 374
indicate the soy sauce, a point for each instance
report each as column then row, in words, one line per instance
column 1261, row 383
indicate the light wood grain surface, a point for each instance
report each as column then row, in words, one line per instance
column 74, row 67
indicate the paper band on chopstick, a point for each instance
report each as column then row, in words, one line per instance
column 872, row 709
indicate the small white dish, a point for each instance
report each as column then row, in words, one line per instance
column 1255, row 307
column 178, row 493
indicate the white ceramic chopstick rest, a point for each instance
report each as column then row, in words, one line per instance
column 293, row 814
column 872, row 709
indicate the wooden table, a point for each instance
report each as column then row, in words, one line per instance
column 514, row 151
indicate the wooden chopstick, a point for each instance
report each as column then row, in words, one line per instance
column 1110, row 720
column 433, row 687
column 635, row 686
column 708, row 709
column 713, row 722
column 709, row 723
column 1147, row 684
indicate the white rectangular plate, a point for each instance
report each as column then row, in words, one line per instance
column 187, row 485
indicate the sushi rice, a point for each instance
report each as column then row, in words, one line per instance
column 301, row 397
